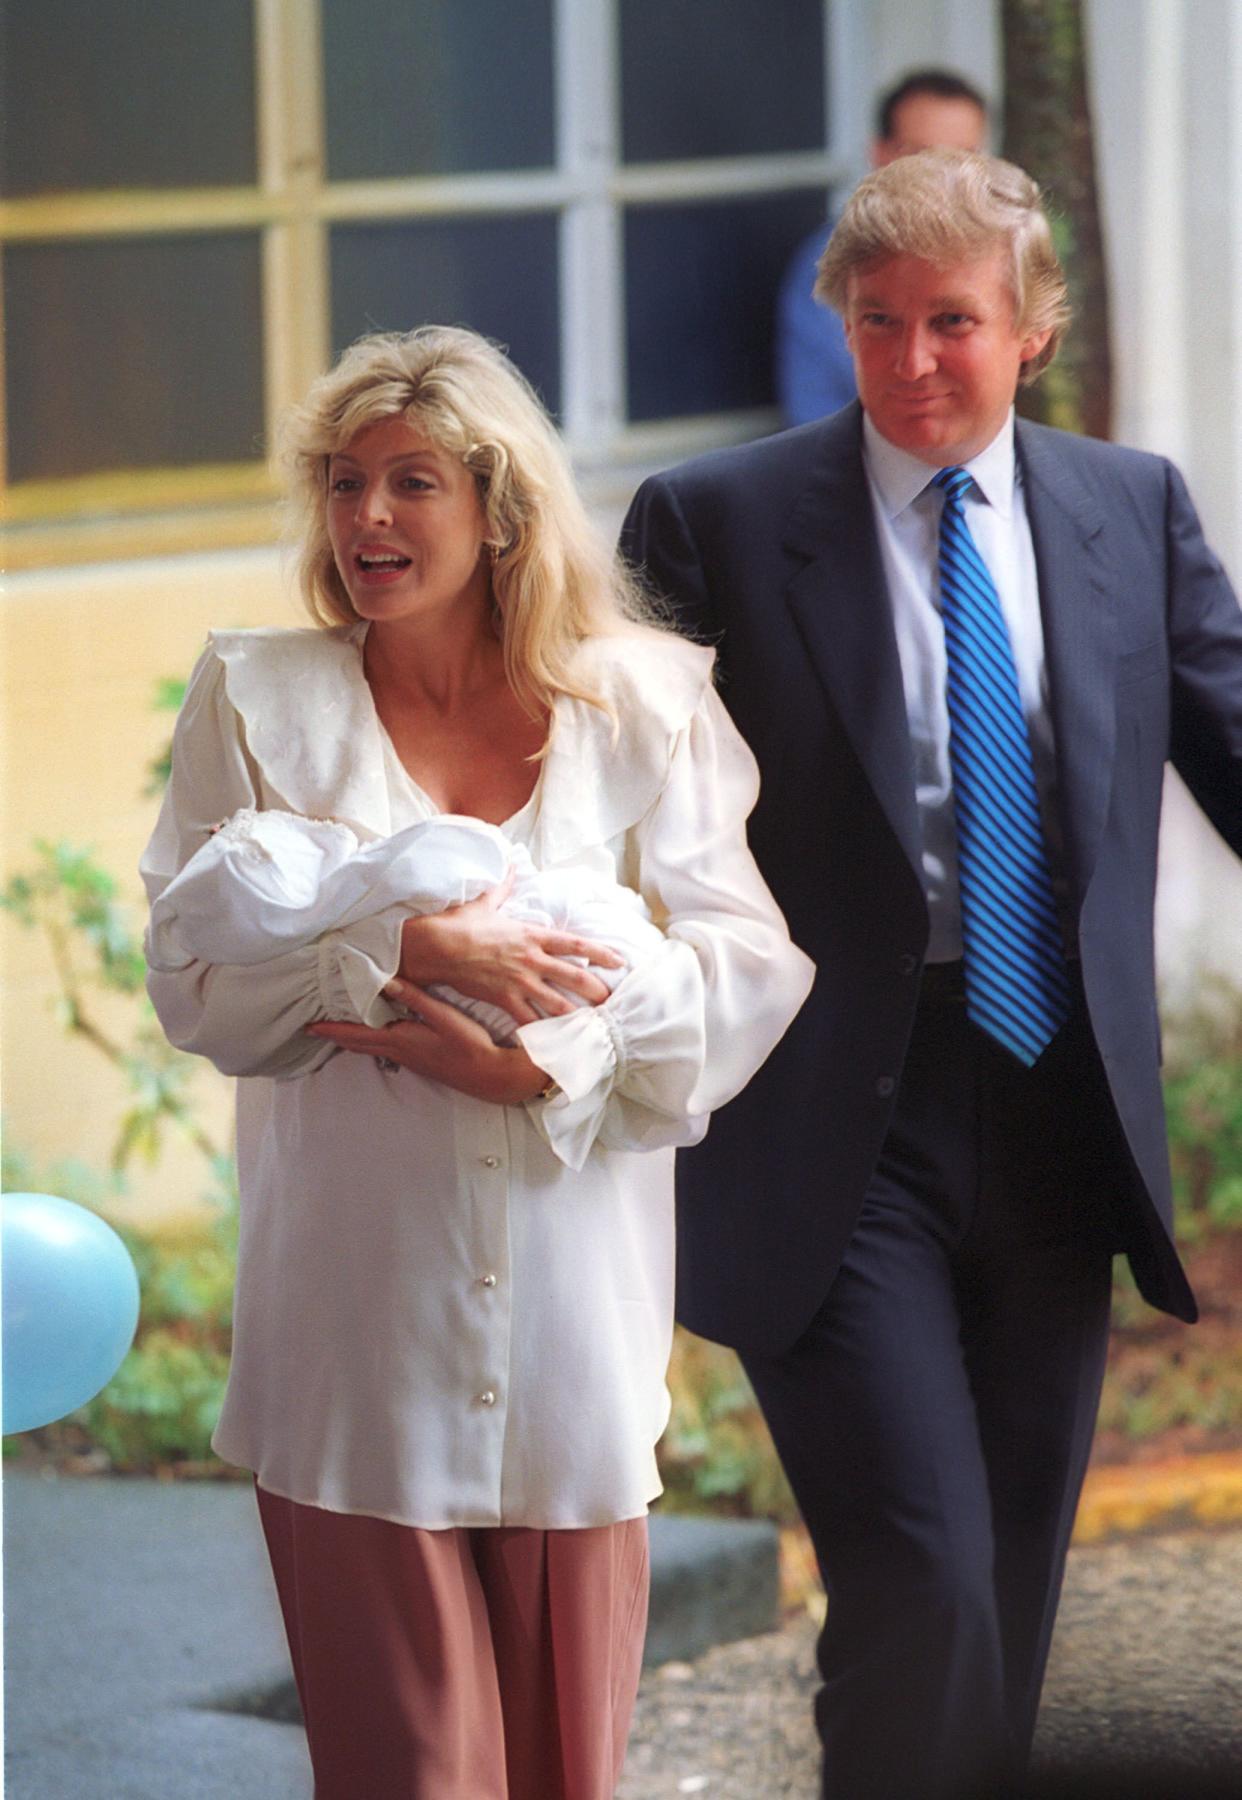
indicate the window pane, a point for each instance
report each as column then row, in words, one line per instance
column 133, row 354
column 151, row 93
column 700, row 285
column 430, row 87
column 729, row 78
column 498, row 274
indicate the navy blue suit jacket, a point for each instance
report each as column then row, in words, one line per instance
column 770, row 550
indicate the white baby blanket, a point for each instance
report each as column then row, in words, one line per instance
column 268, row 882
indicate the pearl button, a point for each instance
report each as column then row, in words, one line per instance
column 491, row 1162
column 487, row 1280
column 487, row 1398
column 885, row 1086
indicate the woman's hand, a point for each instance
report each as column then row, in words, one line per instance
column 486, row 955
column 442, row 1043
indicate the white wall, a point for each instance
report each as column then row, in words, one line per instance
column 1166, row 79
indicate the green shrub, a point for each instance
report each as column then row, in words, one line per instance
column 1203, row 1103
column 1158, row 1389
column 716, row 1455
column 160, row 1408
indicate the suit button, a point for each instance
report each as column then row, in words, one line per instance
column 908, row 963
column 885, row 1085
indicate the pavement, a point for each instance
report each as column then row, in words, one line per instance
column 131, row 1607
column 145, row 1660
column 1143, row 1699
column 145, row 1657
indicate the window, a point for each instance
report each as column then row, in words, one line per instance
column 497, row 272
column 133, row 353
column 429, row 88
column 730, row 78
column 609, row 187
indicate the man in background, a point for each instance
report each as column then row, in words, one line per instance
column 814, row 370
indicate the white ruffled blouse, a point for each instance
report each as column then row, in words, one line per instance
column 452, row 1312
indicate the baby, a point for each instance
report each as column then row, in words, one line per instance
column 268, row 882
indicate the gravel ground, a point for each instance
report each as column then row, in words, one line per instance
column 1143, row 1699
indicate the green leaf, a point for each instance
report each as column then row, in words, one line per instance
column 139, row 1135
column 1225, row 1203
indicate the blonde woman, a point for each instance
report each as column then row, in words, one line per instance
column 454, row 1292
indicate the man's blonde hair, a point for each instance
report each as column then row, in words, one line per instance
column 947, row 206
column 555, row 580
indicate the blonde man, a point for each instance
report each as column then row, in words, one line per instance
column 963, row 648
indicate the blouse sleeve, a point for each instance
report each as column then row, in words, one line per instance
column 687, row 1028
column 249, row 1021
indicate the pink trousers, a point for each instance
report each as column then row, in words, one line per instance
column 483, row 1664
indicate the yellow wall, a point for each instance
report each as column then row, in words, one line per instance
column 81, row 651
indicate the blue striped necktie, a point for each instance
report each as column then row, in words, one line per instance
column 1016, row 984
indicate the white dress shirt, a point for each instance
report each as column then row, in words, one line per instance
column 907, row 514
column 451, row 1312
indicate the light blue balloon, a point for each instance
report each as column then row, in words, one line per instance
column 70, row 1307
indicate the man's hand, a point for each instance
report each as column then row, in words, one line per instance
column 521, row 967
column 442, row 1043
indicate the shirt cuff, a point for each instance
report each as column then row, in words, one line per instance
column 357, row 964
column 581, row 1052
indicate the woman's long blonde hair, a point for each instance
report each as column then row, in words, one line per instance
column 555, row 579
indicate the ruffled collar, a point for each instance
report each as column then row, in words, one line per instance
column 312, row 727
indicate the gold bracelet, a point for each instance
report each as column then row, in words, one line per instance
column 551, row 1087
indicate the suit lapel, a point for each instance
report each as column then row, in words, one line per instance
column 839, row 602
column 1077, row 598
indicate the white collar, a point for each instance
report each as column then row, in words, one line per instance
column 312, row 727
column 900, row 478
